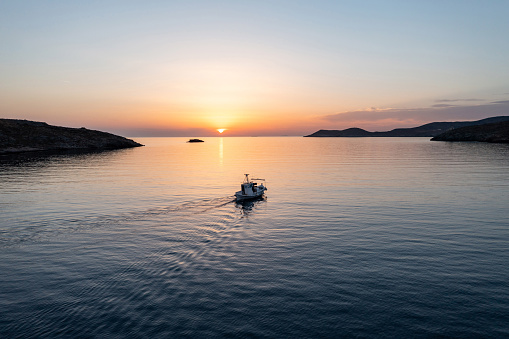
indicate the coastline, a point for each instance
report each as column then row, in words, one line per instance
column 19, row 136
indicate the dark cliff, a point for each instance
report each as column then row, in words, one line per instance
column 497, row 132
column 24, row 135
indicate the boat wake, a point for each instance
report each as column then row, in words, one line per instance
column 17, row 232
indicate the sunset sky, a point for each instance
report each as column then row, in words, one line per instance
column 188, row 68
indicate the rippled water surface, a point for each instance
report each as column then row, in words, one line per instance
column 368, row 237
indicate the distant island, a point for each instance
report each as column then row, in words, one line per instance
column 428, row 130
column 25, row 136
column 496, row 132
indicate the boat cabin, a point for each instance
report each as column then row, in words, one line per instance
column 249, row 188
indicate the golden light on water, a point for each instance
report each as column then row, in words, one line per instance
column 221, row 130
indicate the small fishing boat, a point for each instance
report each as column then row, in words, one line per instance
column 250, row 189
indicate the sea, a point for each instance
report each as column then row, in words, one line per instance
column 355, row 237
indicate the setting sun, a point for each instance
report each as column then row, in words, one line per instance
column 221, row 130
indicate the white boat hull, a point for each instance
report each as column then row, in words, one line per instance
column 241, row 197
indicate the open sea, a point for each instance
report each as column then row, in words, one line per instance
column 357, row 237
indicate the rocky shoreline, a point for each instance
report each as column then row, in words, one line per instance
column 495, row 133
column 18, row 136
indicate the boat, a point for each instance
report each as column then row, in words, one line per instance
column 250, row 189
column 195, row 140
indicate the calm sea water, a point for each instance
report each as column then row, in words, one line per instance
column 357, row 237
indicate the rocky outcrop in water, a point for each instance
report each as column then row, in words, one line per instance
column 497, row 132
column 23, row 136
column 428, row 130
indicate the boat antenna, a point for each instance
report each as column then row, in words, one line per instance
column 247, row 177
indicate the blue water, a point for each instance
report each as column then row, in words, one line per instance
column 357, row 237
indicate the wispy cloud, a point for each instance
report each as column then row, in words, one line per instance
column 398, row 117
column 459, row 100
column 161, row 132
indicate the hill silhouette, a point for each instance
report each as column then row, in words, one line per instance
column 428, row 130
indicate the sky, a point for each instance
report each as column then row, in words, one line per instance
column 188, row 68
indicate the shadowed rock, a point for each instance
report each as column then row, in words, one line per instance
column 24, row 136
column 497, row 132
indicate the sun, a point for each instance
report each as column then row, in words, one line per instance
column 221, row 130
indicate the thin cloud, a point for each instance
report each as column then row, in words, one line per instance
column 459, row 100
column 162, row 132
column 397, row 117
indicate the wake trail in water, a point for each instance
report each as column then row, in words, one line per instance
column 176, row 243
column 19, row 232
column 197, row 206
column 186, row 238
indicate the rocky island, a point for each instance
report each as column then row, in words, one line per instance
column 25, row 136
column 496, row 132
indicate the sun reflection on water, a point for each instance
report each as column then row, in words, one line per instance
column 221, row 151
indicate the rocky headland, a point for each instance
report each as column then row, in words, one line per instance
column 25, row 136
column 428, row 130
column 496, row 132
